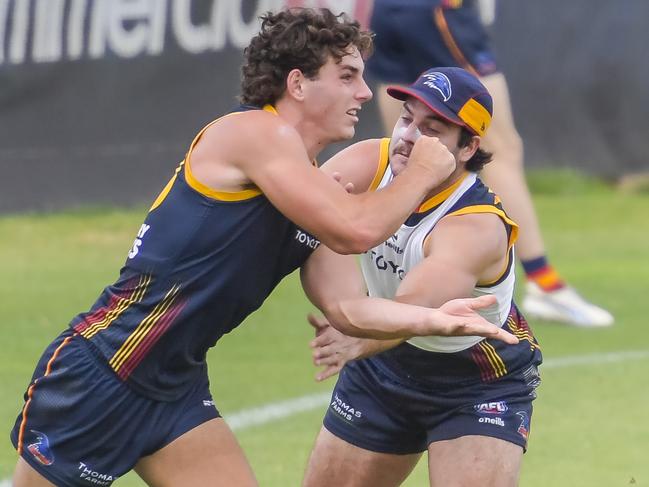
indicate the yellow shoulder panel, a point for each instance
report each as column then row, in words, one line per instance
column 382, row 165
column 210, row 192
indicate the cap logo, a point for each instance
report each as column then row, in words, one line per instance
column 439, row 81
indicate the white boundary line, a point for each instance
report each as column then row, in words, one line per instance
column 247, row 418
column 595, row 359
column 257, row 416
column 274, row 410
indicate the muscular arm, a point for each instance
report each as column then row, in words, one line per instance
column 333, row 284
column 455, row 261
column 460, row 252
column 270, row 154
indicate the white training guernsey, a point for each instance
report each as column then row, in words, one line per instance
column 385, row 266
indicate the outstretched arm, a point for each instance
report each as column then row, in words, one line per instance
column 331, row 280
column 333, row 283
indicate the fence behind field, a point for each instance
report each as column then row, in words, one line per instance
column 99, row 99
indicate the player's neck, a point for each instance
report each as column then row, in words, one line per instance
column 309, row 131
column 458, row 175
column 313, row 143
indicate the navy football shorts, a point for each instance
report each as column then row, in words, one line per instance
column 402, row 400
column 413, row 38
column 81, row 424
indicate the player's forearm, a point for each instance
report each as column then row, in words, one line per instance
column 381, row 319
column 370, row 346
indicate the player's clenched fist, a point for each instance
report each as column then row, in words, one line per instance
column 431, row 154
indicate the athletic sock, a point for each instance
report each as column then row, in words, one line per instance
column 541, row 273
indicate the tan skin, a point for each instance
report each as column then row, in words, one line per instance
column 451, row 255
column 260, row 149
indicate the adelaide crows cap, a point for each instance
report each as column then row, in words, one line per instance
column 454, row 94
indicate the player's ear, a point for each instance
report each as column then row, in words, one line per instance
column 469, row 149
column 295, row 84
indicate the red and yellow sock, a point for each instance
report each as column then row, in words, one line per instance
column 543, row 274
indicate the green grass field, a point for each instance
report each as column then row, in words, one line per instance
column 591, row 423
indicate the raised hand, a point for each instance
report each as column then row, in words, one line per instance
column 330, row 348
column 333, row 349
column 458, row 317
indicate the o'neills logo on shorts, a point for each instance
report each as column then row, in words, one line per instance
column 496, row 421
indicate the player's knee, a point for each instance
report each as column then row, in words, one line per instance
column 493, row 472
column 516, row 148
column 486, row 476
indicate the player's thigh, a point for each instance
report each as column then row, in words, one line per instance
column 474, row 460
column 389, row 107
column 336, row 462
column 207, row 455
column 26, row 476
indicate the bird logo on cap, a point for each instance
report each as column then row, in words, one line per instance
column 439, row 81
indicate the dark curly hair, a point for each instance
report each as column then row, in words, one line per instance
column 299, row 38
column 481, row 156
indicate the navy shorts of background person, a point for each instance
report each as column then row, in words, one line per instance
column 411, row 38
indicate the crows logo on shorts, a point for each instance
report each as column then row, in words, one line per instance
column 40, row 449
column 524, row 428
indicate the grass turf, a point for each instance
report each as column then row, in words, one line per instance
column 590, row 426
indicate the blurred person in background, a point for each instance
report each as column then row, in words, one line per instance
column 416, row 34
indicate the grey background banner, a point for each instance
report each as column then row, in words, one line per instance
column 99, row 99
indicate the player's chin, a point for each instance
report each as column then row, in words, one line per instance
column 348, row 132
column 341, row 137
column 398, row 163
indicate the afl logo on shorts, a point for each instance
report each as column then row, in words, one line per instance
column 439, row 81
column 499, row 407
column 40, row 449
